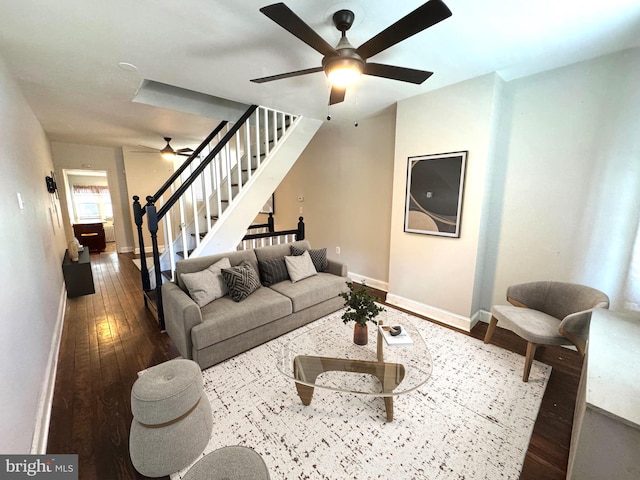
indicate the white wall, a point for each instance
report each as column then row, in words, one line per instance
column 434, row 275
column 345, row 176
column 571, row 143
column 32, row 244
column 90, row 157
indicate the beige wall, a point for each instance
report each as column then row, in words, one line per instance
column 32, row 246
column 91, row 157
column 435, row 275
column 345, row 176
column 146, row 173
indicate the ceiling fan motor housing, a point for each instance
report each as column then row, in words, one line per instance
column 343, row 19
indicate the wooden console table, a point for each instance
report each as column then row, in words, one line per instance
column 77, row 275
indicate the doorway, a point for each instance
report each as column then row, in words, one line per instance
column 89, row 200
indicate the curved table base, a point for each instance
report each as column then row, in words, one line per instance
column 307, row 368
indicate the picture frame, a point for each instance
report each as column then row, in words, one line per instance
column 435, row 186
column 269, row 207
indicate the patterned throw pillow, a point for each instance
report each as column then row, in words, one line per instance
column 319, row 257
column 207, row 285
column 273, row 271
column 242, row 280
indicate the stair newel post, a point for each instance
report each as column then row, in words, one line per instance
column 270, row 223
column 152, row 222
column 300, row 234
column 138, row 213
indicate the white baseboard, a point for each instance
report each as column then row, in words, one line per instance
column 126, row 250
column 41, row 430
column 443, row 316
column 370, row 282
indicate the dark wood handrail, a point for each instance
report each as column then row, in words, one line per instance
column 298, row 232
column 200, row 168
column 189, row 160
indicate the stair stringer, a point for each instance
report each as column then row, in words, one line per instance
column 231, row 226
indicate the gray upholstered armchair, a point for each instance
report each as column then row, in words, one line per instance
column 548, row 313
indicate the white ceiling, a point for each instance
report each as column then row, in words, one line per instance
column 65, row 54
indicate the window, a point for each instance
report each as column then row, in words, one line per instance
column 92, row 202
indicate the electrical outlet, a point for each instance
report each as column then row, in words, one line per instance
column 337, row 250
column 300, row 198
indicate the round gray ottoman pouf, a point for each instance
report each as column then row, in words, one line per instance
column 229, row 463
column 172, row 419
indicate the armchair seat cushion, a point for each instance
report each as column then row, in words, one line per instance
column 532, row 325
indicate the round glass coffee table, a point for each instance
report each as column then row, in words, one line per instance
column 325, row 356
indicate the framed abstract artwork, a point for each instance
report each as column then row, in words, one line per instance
column 433, row 204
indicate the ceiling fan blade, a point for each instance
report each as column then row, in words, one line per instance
column 337, row 95
column 423, row 17
column 403, row 74
column 297, row 73
column 284, row 16
column 186, row 150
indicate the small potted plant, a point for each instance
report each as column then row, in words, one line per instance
column 361, row 308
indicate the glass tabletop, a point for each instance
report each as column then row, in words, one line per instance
column 325, row 356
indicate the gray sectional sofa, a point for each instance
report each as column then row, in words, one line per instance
column 224, row 327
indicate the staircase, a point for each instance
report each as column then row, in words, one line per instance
column 207, row 205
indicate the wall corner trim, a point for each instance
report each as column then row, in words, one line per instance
column 443, row 316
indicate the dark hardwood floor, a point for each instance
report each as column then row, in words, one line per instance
column 109, row 336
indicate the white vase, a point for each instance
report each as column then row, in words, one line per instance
column 73, row 251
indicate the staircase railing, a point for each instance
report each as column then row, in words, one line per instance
column 253, row 240
column 205, row 187
column 139, row 212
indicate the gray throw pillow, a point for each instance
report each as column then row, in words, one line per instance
column 273, row 271
column 242, row 280
column 318, row 256
column 207, row 285
column 300, row 267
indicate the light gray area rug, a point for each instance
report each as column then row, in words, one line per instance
column 472, row 420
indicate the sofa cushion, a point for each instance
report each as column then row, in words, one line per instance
column 300, row 267
column 242, row 280
column 223, row 318
column 278, row 251
column 273, row 271
column 196, row 264
column 207, row 285
column 312, row 290
column 318, row 256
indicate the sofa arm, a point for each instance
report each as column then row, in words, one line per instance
column 337, row 268
column 181, row 314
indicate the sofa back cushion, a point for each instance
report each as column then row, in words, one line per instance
column 279, row 251
column 198, row 264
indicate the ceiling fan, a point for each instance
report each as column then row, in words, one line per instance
column 168, row 152
column 344, row 64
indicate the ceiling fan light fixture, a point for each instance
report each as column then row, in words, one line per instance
column 344, row 71
column 167, row 152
